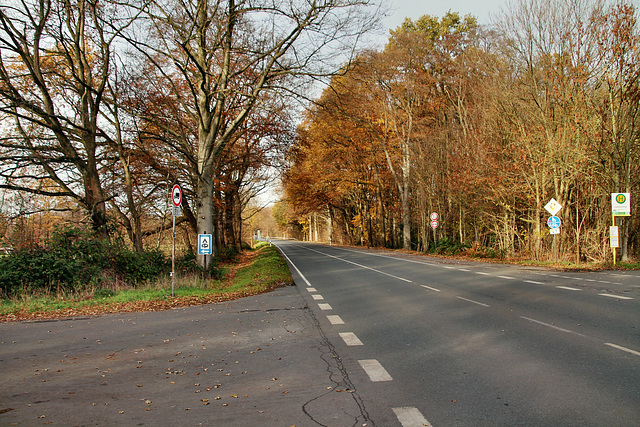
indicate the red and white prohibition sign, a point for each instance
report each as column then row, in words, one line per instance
column 176, row 195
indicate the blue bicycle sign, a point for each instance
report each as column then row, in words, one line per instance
column 554, row 222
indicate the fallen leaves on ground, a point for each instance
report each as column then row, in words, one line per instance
column 126, row 307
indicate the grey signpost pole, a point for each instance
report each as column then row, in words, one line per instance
column 173, row 258
column 176, row 199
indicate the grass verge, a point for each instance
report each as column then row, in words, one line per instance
column 256, row 272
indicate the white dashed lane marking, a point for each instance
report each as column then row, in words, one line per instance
column 619, row 347
column 548, row 325
column 350, row 338
column 324, row 307
column 312, row 289
column 359, row 265
column 614, row 296
column 374, row 369
column 317, row 297
column 474, row 302
column 335, row 319
column 568, row 288
column 411, row 417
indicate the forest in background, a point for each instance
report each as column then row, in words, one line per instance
column 483, row 125
column 104, row 105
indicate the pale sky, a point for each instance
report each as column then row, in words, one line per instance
column 481, row 9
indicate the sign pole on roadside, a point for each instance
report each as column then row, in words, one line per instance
column 205, row 244
column 173, row 259
column 176, row 199
column 435, row 224
column 620, row 206
column 553, row 207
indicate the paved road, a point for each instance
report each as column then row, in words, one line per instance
column 474, row 344
column 364, row 339
column 258, row 361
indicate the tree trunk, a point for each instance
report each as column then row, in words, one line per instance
column 204, row 207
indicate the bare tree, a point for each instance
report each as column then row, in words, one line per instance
column 55, row 65
column 219, row 57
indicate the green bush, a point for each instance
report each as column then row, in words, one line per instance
column 75, row 259
column 187, row 263
column 448, row 246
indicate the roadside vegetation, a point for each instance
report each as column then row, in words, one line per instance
column 75, row 275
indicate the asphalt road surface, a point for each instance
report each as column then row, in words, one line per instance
column 449, row 343
column 366, row 338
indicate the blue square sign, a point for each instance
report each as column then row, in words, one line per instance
column 204, row 244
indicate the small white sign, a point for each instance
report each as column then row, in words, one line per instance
column 621, row 204
column 614, row 242
column 176, row 210
column 554, row 230
column 614, row 237
column 613, row 231
column 553, row 207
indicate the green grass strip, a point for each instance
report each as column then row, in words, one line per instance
column 265, row 271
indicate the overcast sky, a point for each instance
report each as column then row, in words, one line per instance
column 481, row 9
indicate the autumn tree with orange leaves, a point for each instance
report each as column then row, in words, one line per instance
column 484, row 125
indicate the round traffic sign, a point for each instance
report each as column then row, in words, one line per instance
column 434, row 224
column 554, row 222
column 434, row 216
column 176, row 195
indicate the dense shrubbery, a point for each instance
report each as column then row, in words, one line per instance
column 448, row 246
column 74, row 259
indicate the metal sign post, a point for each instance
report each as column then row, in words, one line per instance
column 176, row 199
column 553, row 207
column 554, row 224
column 434, row 224
column 620, row 206
column 205, row 247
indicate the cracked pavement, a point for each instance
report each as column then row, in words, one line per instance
column 261, row 360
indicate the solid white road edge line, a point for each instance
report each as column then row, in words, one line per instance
column 411, row 417
column 350, row 338
column 294, row 266
column 619, row 347
column 374, row 369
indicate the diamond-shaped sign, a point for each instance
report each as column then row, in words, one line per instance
column 553, row 207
